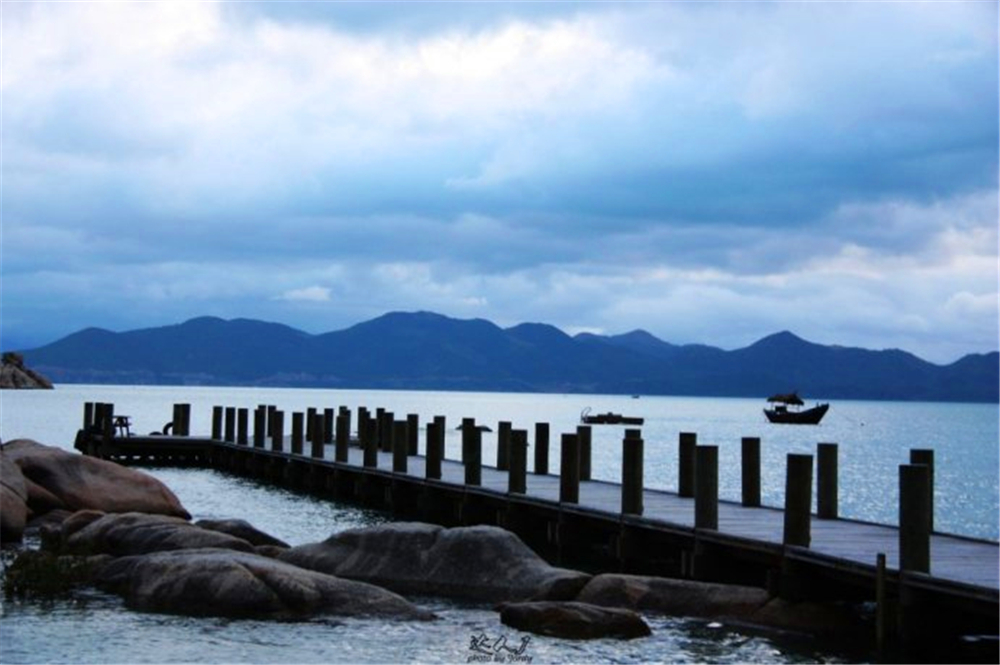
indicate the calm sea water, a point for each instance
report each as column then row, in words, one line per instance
column 874, row 438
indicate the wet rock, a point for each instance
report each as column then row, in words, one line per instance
column 60, row 479
column 573, row 620
column 241, row 529
column 14, row 374
column 841, row 621
column 212, row 582
column 124, row 534
column 674, row 597
column 13, row 500
column 478, row 562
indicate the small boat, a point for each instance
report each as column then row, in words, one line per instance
column 608, row 418
column 782, row 414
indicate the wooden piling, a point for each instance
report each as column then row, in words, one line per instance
column 181, row 419
column 826, row 481
column 750, row 463
column 503, row 445
column 318, row 436
column 686, row 464
column 310, row 419
column 583, row 433
column 435, row 448
column 706, row 495
column 231, row 424
column 541, row 448
column 371, row 443
column 798, row 500
column 881, row 609
column 569, row 469
column 517, row 482
column 400, row 446
column 277, row 425
column 385, row 422
column 914, row 518
column 298, row 432
column 217, row 421
column 925, row 456
column 632, row 472
column 88, row 415
column 472, row 452
column 412, row 434
column 259, row 426
column 108, row 421
column 342, row 452
column 328, row 416
column 242, row 421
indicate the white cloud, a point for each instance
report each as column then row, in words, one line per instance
column 307, row 294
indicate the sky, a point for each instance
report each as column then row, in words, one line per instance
column 710, row 172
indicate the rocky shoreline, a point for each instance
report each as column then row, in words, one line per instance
column 124, row 532
column 15, row 375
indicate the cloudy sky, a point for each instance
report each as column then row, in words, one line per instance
column 709, row 172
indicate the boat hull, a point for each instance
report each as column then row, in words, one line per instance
column 611, row 419
column 804, row 417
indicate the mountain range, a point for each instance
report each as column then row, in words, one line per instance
column 423, row 350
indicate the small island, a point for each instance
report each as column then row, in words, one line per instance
column 13, row 374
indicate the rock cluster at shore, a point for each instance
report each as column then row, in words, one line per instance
column 13, row 374
column 132, row 537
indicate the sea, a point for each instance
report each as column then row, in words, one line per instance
column 874, row 439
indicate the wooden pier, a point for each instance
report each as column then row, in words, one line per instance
column 927, row 588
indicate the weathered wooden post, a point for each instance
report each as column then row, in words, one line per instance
column 181, row 419
column 342, row 452
column 569, row 469
column 385, row 431
column 632, row 472
column 750, row 463
column 271, row 411
column 583, row 433
column 217, row 419
column 706, row 493
column 310, row 419
column 400, row 446
column 345, row 411
column 371, row 443
column 517, row 479
column 362, row 425
column 541, row 448
column 108, row 421
column 88, row 415
column 472, row 452
column 503, row 445
column 686, row 463
column 259, row 425
column 826, row 481
column 435, row 448
column 277, row 431
column 925, row 456
column 914, row 518
column 798, row 500
column 298, row 432
column 230, row 424
column 242, row 422
column 412, row 434
column 328, row 415
column 318, row 436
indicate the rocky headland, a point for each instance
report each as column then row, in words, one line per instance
column 122, row 531
column 14, row 374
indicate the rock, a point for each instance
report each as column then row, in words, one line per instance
column 573, row 620
column 13, row 373
column 13, row 500
column 840, row 621
column 241, row 529
column 125, row 534
column 675, row 597
column 60, row 479
column 477, row 562
column 212, row 582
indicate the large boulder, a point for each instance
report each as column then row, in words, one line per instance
column 14, row 374
column 56, row 478
column 573, row 620
column 242, row 529
column 843, row 622
column 477, row 562
column 226, row 583
column 123, row 534
column 674, row 597
column 13, row 500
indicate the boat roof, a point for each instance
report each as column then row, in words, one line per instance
column 787, row 398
